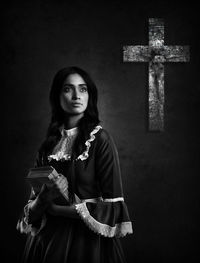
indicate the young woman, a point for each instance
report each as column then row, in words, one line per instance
column 86, row 229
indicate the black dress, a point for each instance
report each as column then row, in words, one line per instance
column 94, row 238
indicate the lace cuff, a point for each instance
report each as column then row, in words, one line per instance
column 25, row 227
column 118, row 230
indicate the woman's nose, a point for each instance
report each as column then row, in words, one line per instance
column 76, row 94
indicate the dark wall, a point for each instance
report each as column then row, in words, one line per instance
column 160, row 170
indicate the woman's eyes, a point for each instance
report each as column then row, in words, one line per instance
column 66, row 89
column 83, row 89
column 69, row 89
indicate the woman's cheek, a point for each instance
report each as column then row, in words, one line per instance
column 65, row 102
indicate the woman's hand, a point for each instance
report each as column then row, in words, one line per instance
column 59, row 186
column 62, row 185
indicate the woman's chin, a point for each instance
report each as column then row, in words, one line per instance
column 76, row 112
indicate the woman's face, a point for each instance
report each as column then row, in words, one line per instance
column 74, row 95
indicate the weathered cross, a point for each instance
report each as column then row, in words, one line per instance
column 156, row 54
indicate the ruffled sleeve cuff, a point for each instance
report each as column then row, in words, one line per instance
column 25, row 227
column 107, row 218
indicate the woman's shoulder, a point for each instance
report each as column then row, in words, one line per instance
column 103, row 135
column 104, row 143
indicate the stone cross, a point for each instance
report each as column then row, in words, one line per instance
column 156, row 54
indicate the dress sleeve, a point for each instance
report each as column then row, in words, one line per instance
column 107, row 216
column 23, row 224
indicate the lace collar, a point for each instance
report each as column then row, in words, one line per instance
column 60, row 155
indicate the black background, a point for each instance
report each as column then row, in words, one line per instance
column 159, row 170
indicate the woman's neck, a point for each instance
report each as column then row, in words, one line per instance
column 72, row 121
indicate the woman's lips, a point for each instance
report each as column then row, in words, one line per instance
column 76, row 104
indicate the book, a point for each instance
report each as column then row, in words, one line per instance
column 44, row 175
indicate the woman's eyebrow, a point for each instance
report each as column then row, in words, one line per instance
column 71, row 85
column 66, row 84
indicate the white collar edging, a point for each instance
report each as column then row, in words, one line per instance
column 85, row 154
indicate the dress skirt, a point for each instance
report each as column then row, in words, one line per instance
column 65, row 240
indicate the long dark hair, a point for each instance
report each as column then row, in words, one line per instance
column 58, row 116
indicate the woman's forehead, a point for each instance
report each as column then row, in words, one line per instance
column 74, row 79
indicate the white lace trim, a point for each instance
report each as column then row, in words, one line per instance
column 117, row 199
column 63, row 150
column 59, row 156
column 97, row 199
column 24, row 227
column 119, row 230
column 85, row 154
column 92, row 200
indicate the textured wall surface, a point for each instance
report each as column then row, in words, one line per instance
column 160, row 169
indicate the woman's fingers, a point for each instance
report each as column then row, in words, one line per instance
column 62, row 183
column 55, row 178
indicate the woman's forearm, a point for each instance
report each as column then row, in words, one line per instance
column 66, row 211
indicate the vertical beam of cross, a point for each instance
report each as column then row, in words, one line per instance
column 156, row 54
